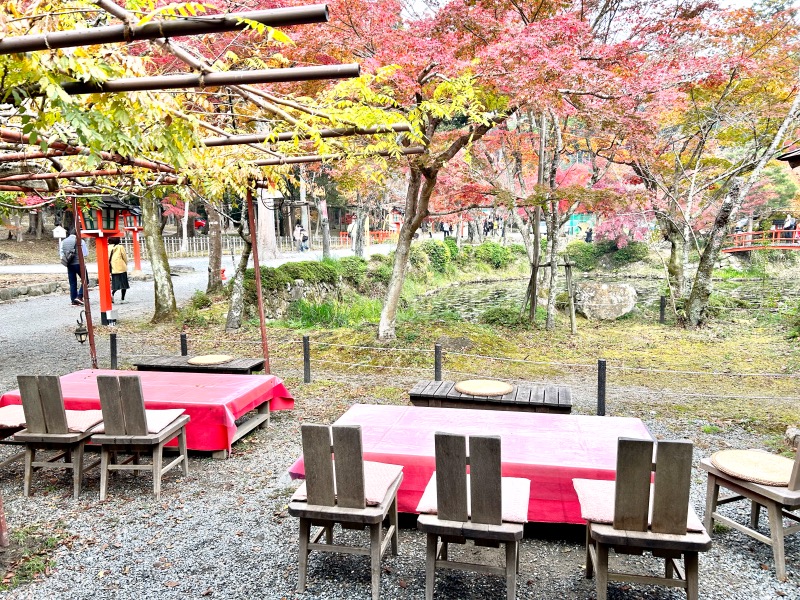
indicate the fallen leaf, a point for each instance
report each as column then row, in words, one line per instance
column 402, row 583
column 171, row 584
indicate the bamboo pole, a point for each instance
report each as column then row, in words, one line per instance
column 73, row 174
column 197, row 25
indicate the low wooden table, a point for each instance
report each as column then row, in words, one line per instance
column 529, row 398
column 237, row 366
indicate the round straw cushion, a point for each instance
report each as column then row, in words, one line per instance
column 754, row 465
column 210, row 359
column 483, row 387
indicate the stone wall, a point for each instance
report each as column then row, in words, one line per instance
column 276, row 303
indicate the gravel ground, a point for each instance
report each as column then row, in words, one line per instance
column 224, row 532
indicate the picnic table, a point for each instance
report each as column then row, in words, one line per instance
column 530, row 398
column 180, row 364
column 548, row 449
column 213, row 401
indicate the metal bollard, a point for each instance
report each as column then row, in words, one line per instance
column 601, row 388
column 662, row 310
column 437, row 362
column 184, row 345
column 113, row 339
column 306, row 360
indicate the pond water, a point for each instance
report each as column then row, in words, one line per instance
column 469, row 301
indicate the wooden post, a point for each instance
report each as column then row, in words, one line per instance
column 306, row 360
column 437, row 362
column 662, row 309
column 601, row 388
column 572, row 322
column 257, row 270
column 113, row 340
column 184, row 345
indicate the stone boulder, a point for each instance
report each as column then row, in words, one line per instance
column 793, row 437
column 604, row 301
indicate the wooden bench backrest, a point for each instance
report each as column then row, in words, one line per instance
column 42, row 403
column 485, row 479
column 122, row 403
column 673, row 469
column 347, row 459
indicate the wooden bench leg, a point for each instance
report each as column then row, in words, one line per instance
column 136, row 461
column 712, row 494
column 755, row 512
column 692, row 565
column 105, row 456
column 601, row 571
column 77, row 468
column 393, row 522
column 430, row 565
column 158, row 457
column 30, row 456
column 375, row 562
column 776, row 533
column 589, row 566
column 511, row 570
column 183, row 451
column 305, row 531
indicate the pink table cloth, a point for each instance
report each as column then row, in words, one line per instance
column 548, row 449
column 212, row 401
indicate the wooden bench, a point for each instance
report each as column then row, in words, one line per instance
column 237, row 366
column 530, row 398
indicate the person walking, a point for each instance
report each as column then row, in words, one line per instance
column 118, row 263
column 71, row 260
column 297, row 236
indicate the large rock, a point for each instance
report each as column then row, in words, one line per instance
column 604, row 301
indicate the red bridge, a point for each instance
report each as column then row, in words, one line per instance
column 778, row 239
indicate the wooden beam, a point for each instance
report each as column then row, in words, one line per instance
column 311, row 158
column 286, row 136
column 199, row 25
column 202, row 80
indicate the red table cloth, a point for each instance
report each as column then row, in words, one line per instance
column 212, row 401
column 548, row 449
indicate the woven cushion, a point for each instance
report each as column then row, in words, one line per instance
column 754, row 465
column 157, row 420
column 484, row 387
column 596, row 498
column 83, row 420
column 12, row 416
column 515, row 491
column 378, row 477
column 210, row 359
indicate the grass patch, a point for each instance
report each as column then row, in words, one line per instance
column 29, row 555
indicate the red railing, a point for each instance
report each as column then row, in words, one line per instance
column 778, row 239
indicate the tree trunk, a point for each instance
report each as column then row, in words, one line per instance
column 677, row 251
column 183, row 228
column 236, row 306
column 18, row 225
column 417, row 199
column 701, row 289
column 358, row 231
column 165, row 308
column 214, row 284
column 552, row 245
column 322, row 211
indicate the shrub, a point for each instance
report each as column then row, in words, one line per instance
column 633, row 252
column 583, row 254
column 493, row 254
column 382, row 274
column 200, row 300
column 417, row 257
column 353, row 270
column 452, row 245
column 503, row 316
column 518, row 249
column 438, row 254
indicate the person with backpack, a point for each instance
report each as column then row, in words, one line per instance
column 118, row 265
column 70, row 259
column 298, row 234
